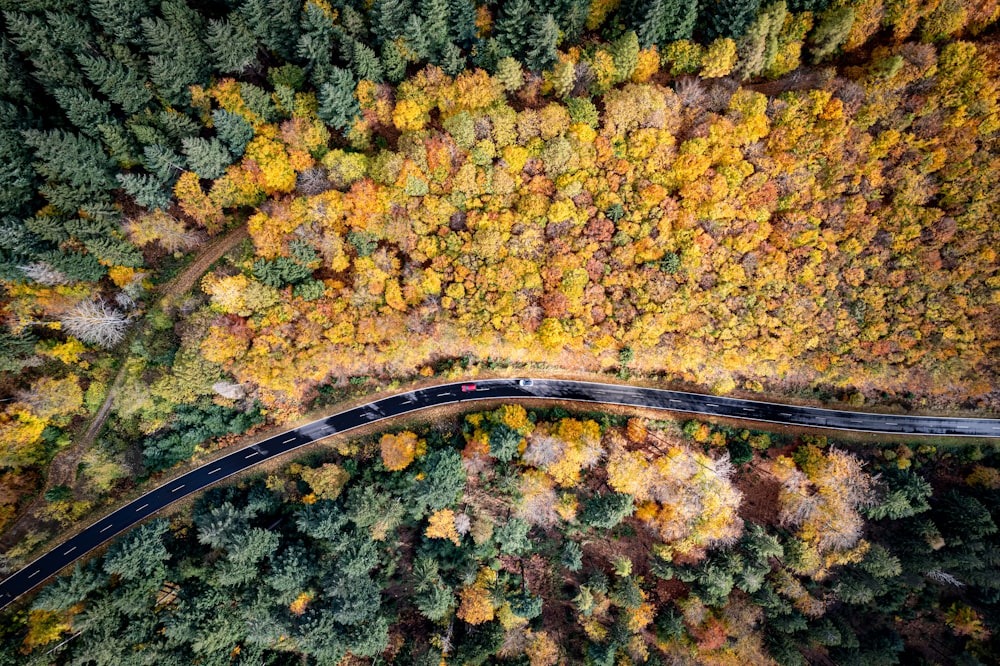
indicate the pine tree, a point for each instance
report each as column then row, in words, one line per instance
column 121, row 19
column 393, row 63
column 119, row 144
column 13, row 77
column 83, row 110
column 233, row 45
column 164, row 163
column 452, row 61
column 78, row 266
column 179, row 56
column 574, row 19
column 147, row 190
column 275, row 23
column 337, row 105
column 513, row 26
column 542, row 52
column 123, row 85
column 17, row 178
column 726, row 18
column 53, row 66
column 207, row 157
column 832, row 28
column 757, row 48
column 415, row 39
column 435, row 14
column 365, row 62
column 233, row 130
column 176, row 125
column 625, row 53
column 388, row 18
column 462, row 23
column 69, row 158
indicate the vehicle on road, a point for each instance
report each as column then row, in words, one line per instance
column 524, row 382
column 466, row 388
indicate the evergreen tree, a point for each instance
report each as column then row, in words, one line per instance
column 435, row 14
column 140, row 554
column 462, row 23
column 726, row 18
column 83, row 110
column 365, row 62
column 68, row 158
column 831, row 30
column 416, row 39
column 119, row 144
column 176, row 125
column 625, row 53
column 606, row 511
column 148, row 191
column 337, row 105
column 571, row 556
column 179, row 56
column 53, row 66
column 513, row 25
column 14, row 82
column 388, row 18
column 757, row 48
column 123, row 85
column 393, row 62
column 164, row 163
column 233, row 45
column 17, row 178
column 544, row 41
column 452, row 61
column 233, row 130
column 121, row 19
column 574, row 19
column 15, row 350
column 442, row 482
column 207, row 157
column 275, row 23
column 92, row 326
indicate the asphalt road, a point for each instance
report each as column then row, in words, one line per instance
column 692, row 403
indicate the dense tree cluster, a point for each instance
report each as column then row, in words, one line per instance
column 451, row 559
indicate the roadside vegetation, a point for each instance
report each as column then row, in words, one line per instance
column 543, row 537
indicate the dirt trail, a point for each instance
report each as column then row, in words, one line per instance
column 62, row 469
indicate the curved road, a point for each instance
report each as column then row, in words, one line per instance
column 677, row 401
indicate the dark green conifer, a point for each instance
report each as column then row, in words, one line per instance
column 726, row 18
column 233, row 45
column 207, row 157
column 542, row 50
column 147, row 190
column 121, row 19
column 337, row 105
column 435, row 14
column 393, row 63
column 123, row 85
column 416, row 39
column 82, row 109
column 233, row 129
column 462, row 22
column 388, row 18
column 514, row 23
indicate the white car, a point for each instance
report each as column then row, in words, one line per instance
column 524, row 382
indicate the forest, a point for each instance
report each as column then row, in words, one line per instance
column 217, row 217
column 545, row 537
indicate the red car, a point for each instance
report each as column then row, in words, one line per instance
column 468, row 387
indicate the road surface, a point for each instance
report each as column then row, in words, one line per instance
column 507, row 389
